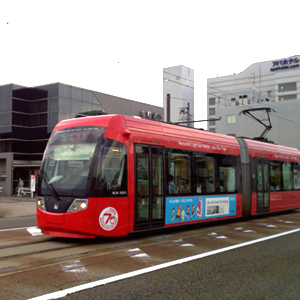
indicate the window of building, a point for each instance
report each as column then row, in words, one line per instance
column 212, row 111
column 212, row 101
column 240, row 100
column 212, row 123
column 287, row 97
column 245, row 99
column 287, row 87
column 233, row 103
column 231, row 119
column 38, row 106
column 22, row 106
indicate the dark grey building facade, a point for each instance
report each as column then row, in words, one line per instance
column 29, row 114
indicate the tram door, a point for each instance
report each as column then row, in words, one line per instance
column 149, row 187
column 262, row 184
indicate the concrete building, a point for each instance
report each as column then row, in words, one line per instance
column 29, row 114
column 179, row 85
column 274, row 85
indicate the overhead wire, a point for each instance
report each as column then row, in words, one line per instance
column 247, row 105
column 234, row 94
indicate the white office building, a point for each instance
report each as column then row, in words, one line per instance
column 178, row 95
column 271, row 86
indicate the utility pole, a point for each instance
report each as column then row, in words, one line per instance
column 168, row 108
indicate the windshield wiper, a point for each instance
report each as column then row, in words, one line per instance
column 49, row 185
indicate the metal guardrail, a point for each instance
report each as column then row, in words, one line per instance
column 26, row 191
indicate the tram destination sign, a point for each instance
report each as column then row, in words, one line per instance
column 283, row 64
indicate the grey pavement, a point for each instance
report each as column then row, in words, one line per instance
column 17, row 206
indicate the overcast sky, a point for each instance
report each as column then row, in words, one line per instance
column 121, row 47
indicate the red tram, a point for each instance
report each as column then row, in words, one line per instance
column 113, row 175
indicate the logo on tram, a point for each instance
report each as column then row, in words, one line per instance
column 108, row 218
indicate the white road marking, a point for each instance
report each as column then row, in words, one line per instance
column 267, row 225
column 214, row 234
column 73, row 267
column 20, row 228
column 140, row 255
column 248, row 231
column 34, row 231
column 187, row 245
column 63, row 293
column 134, row 250
column 181, row 243
column 137, row 252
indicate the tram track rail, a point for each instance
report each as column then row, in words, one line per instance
column 57, row 252
column 25, row 253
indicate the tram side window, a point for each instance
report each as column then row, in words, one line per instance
column 142, row 170
column 112, row 172
column 275, row 176
column 179, row 173
column 205, row 175
column 287, row 175
column 227, row 168
column 296, row 176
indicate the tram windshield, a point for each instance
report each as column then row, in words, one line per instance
column 68, row 161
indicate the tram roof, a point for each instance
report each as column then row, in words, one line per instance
column 177, row 136
column 272, row 151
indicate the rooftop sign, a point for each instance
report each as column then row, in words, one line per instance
column 284, row 64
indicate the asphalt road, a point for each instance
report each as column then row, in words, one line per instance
column 267, row 270
column 13, row 222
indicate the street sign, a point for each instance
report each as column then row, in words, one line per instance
column 32, row 185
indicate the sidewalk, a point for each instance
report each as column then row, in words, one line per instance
column 17, row 206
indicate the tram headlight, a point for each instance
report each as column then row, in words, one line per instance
column 40, row 203
column 78, row 204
